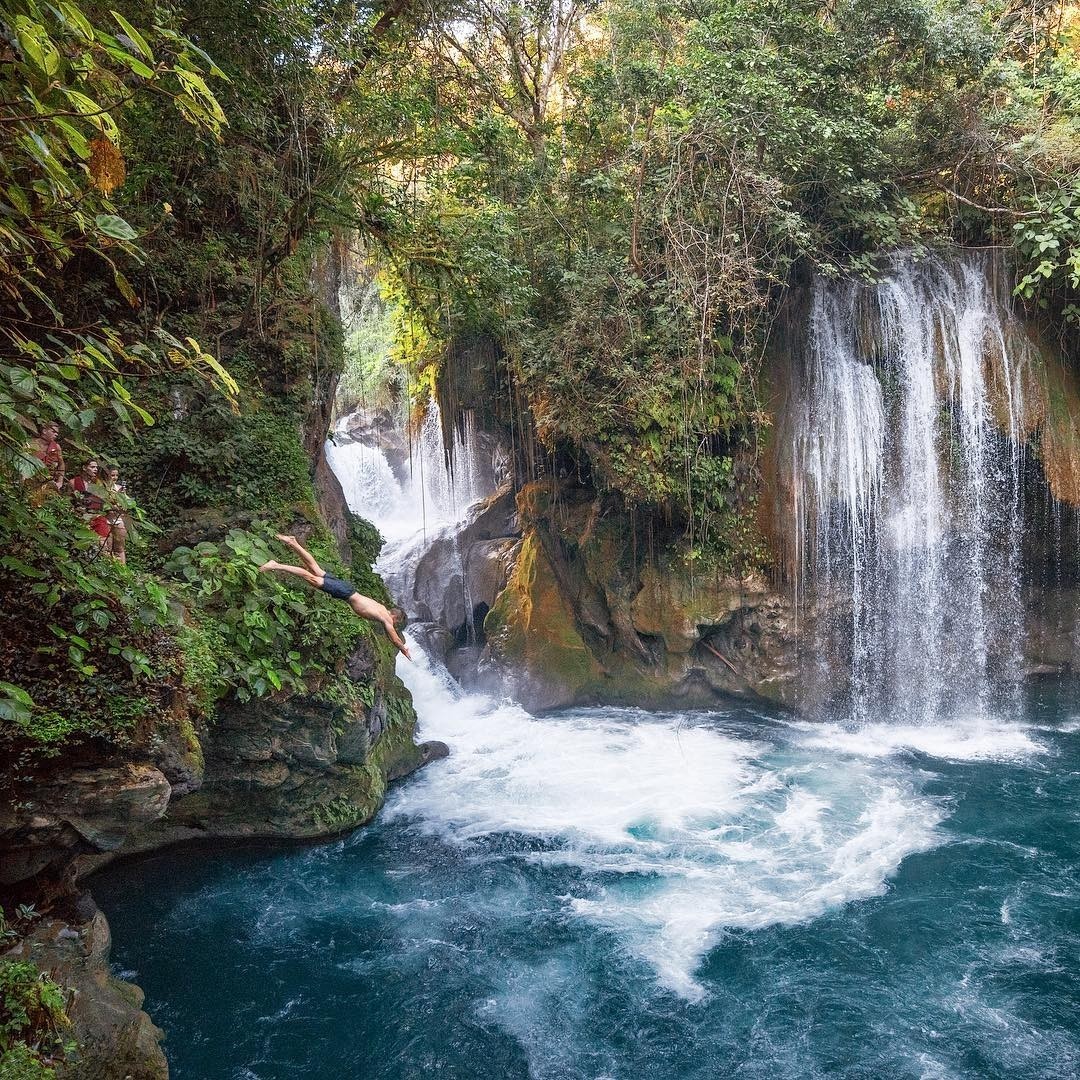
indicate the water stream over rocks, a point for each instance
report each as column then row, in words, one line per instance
column 906, row 435
column 611, row 893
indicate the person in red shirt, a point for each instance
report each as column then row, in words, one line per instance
column 46, row 448
column 89, row 501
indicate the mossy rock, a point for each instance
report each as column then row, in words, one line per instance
column 531, row 628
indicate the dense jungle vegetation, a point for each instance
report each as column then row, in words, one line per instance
column 609, row 196
column 612, row 195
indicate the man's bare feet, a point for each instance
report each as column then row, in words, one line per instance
column 271, row 565
column 288, row 539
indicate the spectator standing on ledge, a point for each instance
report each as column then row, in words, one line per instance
column 117, row 525
column 46, row 448
column 89, row 501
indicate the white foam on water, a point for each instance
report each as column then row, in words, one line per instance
column 970, row 739
column 679, row 830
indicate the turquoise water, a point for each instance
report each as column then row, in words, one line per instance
column 615, row 894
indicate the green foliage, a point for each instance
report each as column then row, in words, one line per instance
column 271, row 635
column 32, row 1020
column 370, row 378
column 61, row 98
column 1049, row 246
column 625, row 226
column 128, row 234
column 22, row 1063
column 208, row 456
column 202, row 644
column 1023, row 153
column 88, row 649
column 338, row 814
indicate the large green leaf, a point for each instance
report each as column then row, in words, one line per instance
column 134, row 36
column 37, row 46
column 114, row 226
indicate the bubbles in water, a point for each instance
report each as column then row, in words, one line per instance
column 682, row 829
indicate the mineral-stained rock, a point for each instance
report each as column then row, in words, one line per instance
column 532, row 627
column 583, row 619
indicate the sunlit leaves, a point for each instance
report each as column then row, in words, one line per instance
column 1048, row 240
column 62, row 103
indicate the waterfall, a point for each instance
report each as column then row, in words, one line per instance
column 904, row 457
column 438, row 488
column 428, row 507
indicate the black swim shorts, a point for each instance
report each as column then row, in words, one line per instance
column 338, row 589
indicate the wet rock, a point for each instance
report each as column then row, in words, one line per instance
column 463, row 662
column 435, row 639
column 438, row 594
column 176, row 750
column 487, row 569
column 430, row 751
column 582, row 619
column 466, row 569
column 360, row 665
column 378, row 428
column 532, row 629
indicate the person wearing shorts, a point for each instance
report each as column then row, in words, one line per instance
column 117, row 525
column 316, row 576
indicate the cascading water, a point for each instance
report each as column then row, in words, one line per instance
column 431, row 497
column 429, row 505
column 613, row 893
column 904, row 463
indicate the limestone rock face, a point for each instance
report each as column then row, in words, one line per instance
column 532, row 627
column 582, row 619
column 465, row 568
column 298, row 766
column 76, row 810
column 116, row 1039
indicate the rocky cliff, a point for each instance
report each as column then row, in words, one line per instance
column 205, row 756
column 587, row 616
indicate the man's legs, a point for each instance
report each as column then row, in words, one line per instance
column 118, row 541
column 305, row 556
column 312, row 579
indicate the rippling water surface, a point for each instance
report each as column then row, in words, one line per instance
column 608, row 893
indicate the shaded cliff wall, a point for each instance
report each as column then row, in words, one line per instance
column 205, row 763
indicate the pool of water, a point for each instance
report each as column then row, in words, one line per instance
column 609, row 893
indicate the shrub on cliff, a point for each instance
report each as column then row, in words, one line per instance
column 88, row 645
column 270, row 634
column 32, row 1022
